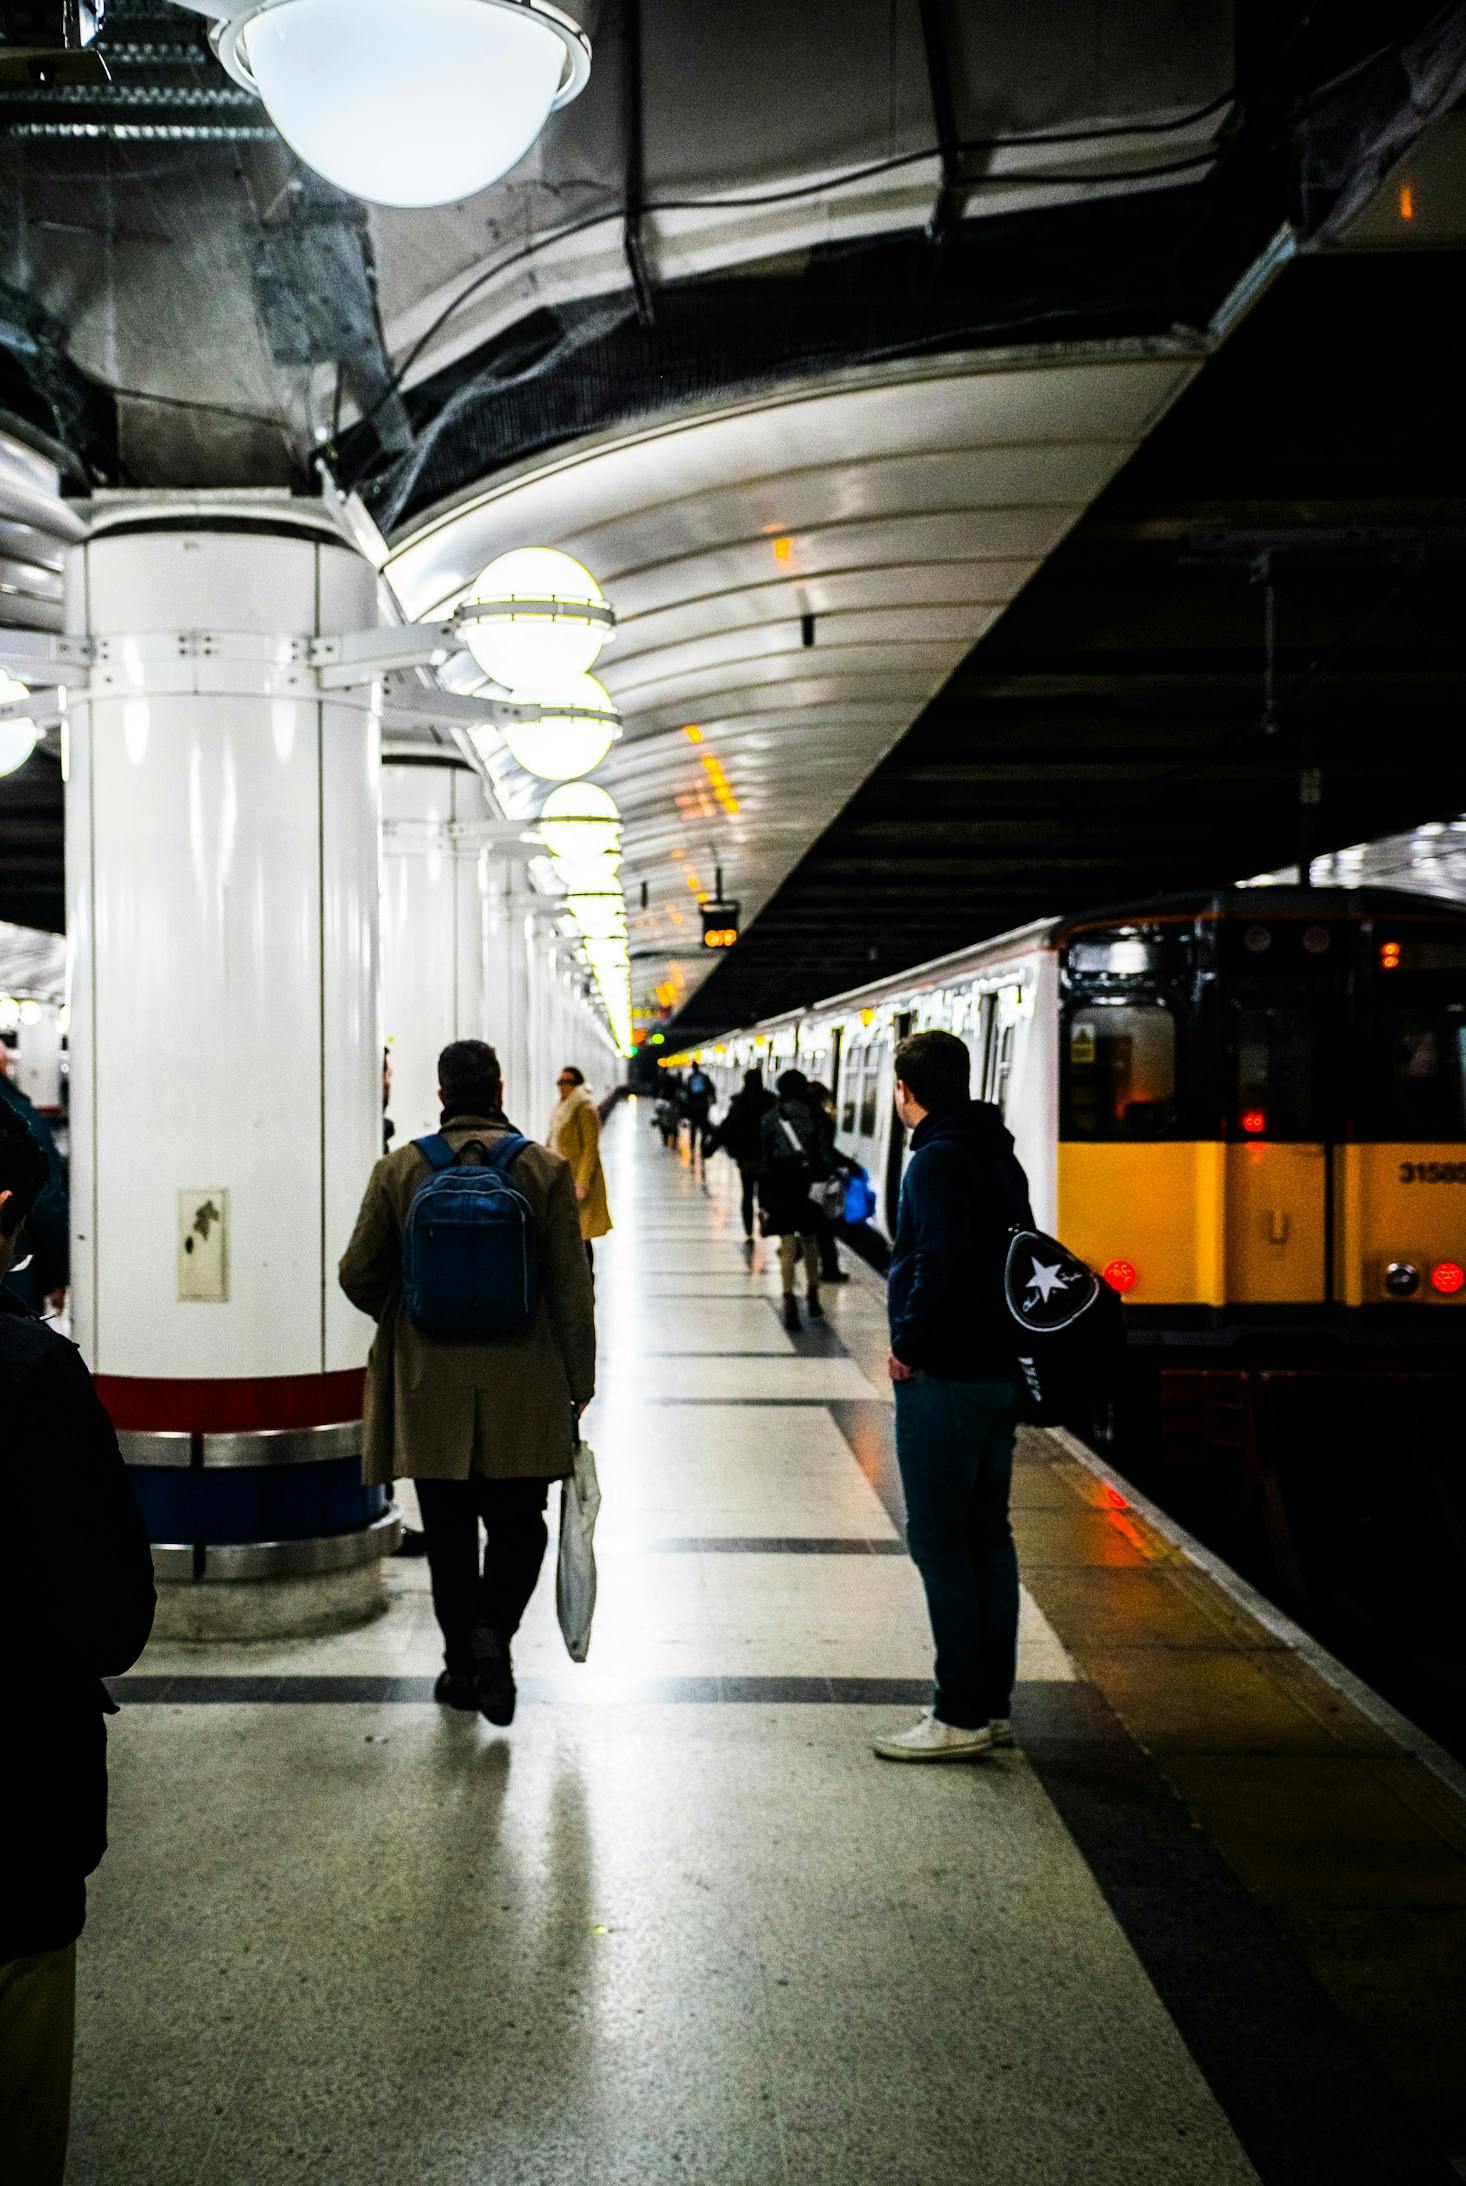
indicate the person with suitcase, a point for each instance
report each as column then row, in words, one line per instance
column 467, row 1253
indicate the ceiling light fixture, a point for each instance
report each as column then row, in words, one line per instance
column 404, row 102
column 534, row 617
column 570, row 736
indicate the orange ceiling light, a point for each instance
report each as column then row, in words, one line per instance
column 692, row 732
column 722, row 787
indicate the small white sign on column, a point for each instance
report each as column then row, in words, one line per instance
column 203, row 1245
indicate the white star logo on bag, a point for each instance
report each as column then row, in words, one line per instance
column 1047, row 1280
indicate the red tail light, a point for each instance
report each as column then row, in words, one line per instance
column 1120, row 1275
column 1254, row 1122
column 1447, row 1276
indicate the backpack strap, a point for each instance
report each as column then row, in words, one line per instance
column 507, row 1150
column 440, row 1154
column 436, row 1151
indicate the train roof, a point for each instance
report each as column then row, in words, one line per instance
column 1266, row 902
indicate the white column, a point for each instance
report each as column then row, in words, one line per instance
column 434, row 931
column 223, row 876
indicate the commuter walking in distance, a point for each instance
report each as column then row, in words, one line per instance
column 740, row 1134
column 956, row 1396
column 468, row 1255
column 798, row 1149
column 575, row 1135
column 697, row 1106
column 78, row 1607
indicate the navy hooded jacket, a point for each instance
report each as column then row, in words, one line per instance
column 963, row 1191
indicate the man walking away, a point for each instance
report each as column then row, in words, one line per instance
column 480, row 1425
column 575, row 1135
column 740, row 1134
column 956, row 1397
column 77, row 1607
column 798, row 1148
column 697, row 1105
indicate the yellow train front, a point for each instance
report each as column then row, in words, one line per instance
column 1262, row 1141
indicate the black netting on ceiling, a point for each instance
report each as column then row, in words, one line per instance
column 1137, row 265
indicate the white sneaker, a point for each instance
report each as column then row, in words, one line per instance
column 929, row 1740
column 1002, row 1730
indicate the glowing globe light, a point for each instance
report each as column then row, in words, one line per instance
column 600, row 918
column 407, row 102
column 580, row 821
column 561, row 746
column 18, row 738
column 534, row 617
column 588, row 876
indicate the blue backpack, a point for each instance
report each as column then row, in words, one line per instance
column 470, row 1254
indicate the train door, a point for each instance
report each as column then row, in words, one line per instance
column 1278, row 1185
column 896, row 1140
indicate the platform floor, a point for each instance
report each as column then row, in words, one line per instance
column 679, row 1924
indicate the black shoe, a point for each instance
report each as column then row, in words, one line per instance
column 412, row 1543
column 791, row 1316
column 833, row 1275
column 493, row 1677
column 455, row 1690
column 816, row 1310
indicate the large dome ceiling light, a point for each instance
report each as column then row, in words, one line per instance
column 566, row 736
column 404, row 102
column 581, row 829
column 19, row 735
column 534, row 617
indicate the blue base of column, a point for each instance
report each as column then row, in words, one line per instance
column 228, row 1505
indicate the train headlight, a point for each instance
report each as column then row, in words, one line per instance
column 1120, row 1275
column 1401, row 1279
column 1447, row 1277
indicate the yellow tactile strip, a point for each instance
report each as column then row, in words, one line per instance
column 1355, row 1848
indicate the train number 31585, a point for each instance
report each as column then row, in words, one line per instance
column 1433, row 1172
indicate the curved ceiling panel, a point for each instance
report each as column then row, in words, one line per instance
column 795, row 577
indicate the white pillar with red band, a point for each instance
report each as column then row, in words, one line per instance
column 223, row 875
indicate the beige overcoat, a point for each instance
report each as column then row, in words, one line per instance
column 575, row 1133
column 440, row 1410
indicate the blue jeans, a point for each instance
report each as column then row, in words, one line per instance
column 954, row 1444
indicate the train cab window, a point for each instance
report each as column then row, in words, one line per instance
column 1428, row 1069
column 1275, row 1082
column 1120, row 1071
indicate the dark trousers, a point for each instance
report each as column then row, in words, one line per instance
column 954, row 1445
column 748, row 1180
column 513, row 1512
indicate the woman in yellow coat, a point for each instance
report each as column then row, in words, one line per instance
column 575, row 1134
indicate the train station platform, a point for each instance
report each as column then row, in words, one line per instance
column 1202, row 1927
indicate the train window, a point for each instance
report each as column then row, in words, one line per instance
column 850, row 1090
column 870, row 1093
column 1427, row 1045
column 1120, row 1075
column 1002, row 1066
column 1274, row 1094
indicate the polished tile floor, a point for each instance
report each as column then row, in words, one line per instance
column 678, row 1924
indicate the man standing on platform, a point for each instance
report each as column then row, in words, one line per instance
column 956, row 1397
column 481, row 1425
